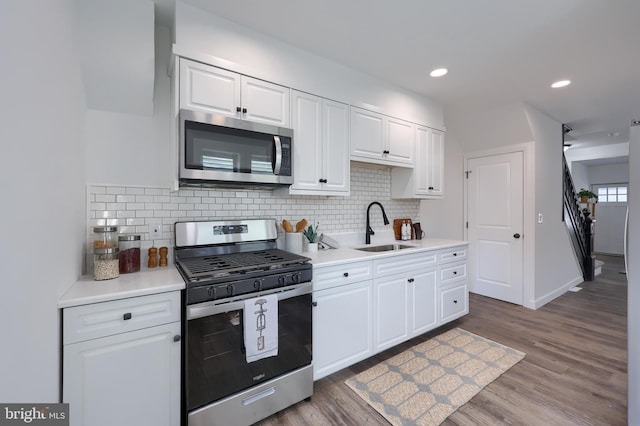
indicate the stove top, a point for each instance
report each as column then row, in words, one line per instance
column 224, row 259
column 214, row 267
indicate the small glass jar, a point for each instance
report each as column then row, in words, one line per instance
column 105, row 237
column 129, row 246
column 105, row 263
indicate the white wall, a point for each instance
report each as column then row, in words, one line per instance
column 556, row 267
column 469, row 132
column 597, row 152
column 117, row 54
column 212, row 39
column 128, row 149
column 42, row 187
column 444, row 218
column 490, row 128
column 580, row 175
column 633, row 277
column 608, row 173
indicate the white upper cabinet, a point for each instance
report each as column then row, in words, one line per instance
column 426, row 179
column 435, row 164
column 217, row 91
column 376, row 138
column 367, row 134
column 321, row 146
column 401, row 139
column 265, row 102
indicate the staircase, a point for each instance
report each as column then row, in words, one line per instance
column 580, row 227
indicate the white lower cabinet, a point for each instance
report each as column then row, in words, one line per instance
column 342, row 323
column 454, row 302
column 128, row 373
column 453, row 290
column 364, row 307
column 404, row 307
column 342, row 316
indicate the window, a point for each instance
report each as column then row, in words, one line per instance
column 612, row 194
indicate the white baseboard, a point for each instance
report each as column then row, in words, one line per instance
column 540, row 302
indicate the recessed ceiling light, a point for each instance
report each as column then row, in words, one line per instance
column 561, row 83
column 439, row 72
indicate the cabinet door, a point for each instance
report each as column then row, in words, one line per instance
column 423, row 302
column 454, row 302
column 421, row 172
column 307, row 127
column 435, row 162
column 341, row 327
column 210, row 89
column 265, row 102
column 336, row 165
column 367, row 134
column 390, row 301
column 401, row 141
column 128, row 379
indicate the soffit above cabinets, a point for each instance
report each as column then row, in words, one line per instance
column 116, row 41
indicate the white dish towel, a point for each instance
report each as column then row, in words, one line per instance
column 261, row 327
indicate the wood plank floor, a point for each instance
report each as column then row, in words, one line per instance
column 575, row 371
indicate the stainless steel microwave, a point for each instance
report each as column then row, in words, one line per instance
column 217, row 150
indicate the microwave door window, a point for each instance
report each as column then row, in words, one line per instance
column 261, row 164
column 229, row 150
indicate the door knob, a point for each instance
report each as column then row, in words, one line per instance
column 516, row 236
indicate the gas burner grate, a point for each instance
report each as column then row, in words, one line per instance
column 238, row 263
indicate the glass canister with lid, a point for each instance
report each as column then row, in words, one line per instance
column 105, row 263
column 129, row 246
column 105, row 237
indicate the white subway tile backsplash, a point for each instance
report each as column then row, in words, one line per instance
column 133, row 208
column 144, row 198
column 134, row 191
column 125, row 198
column 153, row 191
column 116, row 190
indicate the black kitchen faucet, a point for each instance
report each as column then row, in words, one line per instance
column 369, row 232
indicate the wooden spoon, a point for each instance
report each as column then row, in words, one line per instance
column 287, row 226
column 300, row 226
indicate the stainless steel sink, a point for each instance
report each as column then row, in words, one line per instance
column 385, row 247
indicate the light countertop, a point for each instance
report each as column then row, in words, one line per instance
column 350, row 254
column 151, row 281
column 148, row 281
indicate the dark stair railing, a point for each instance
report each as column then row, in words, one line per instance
column 580, row 226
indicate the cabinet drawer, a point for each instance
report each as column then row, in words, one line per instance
column 403, row 263
column 453, row 302
column 108, row 318
column 333, row 276
column 450, row 273
column 453, row 254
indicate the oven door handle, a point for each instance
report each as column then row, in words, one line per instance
column 216, row 307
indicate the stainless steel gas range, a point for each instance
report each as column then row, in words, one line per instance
column 247, row 316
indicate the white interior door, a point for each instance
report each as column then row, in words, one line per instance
column 610, row 213
column 495, row 226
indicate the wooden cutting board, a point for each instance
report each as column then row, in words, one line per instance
column 397, row 227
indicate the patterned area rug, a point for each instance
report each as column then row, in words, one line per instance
column 425, row 384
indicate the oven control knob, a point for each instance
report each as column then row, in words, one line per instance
column 230, row 289
column 295, row 278
column 282, row 280
column 257, row 284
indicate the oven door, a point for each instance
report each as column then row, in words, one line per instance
column 216, row 364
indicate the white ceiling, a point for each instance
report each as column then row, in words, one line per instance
column 498, row 52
